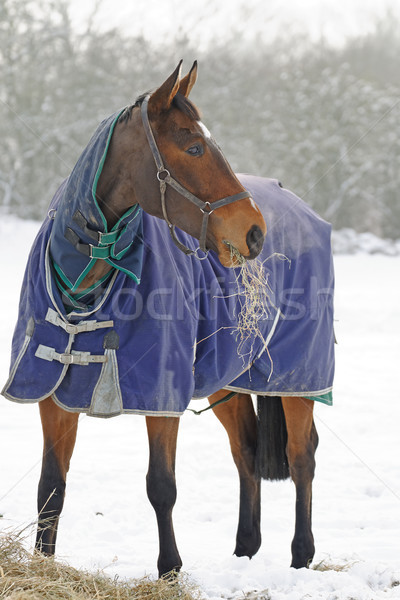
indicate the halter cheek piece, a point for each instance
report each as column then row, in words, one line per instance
column 164, row 177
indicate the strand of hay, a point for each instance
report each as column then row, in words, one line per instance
column 253, row 287
column 254, row 295
column 24, row 576
column 255, row 304
column 329, row 565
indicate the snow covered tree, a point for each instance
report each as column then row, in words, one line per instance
column 323, row 120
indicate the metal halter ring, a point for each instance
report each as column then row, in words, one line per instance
column 163, row 171
column 196, row 253
column 207, row 205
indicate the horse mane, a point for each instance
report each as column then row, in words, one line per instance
column 180, row 102
column 186, row 106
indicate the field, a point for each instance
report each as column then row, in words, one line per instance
column 109, row 524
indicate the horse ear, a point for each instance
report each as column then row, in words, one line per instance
column 187, row 83
column 162, row 98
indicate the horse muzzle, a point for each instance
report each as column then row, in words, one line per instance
column 255, row 242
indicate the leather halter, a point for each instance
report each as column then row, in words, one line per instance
column 164, row 177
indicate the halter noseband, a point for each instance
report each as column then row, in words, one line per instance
column 164, row 177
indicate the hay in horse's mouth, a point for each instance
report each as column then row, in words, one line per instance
column 254, row 293
column 255, row 304
column 237, row 258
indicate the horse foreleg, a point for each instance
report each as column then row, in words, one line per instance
column 301, row 446
column 239, row 419
column 161, row 487
column 59, row 434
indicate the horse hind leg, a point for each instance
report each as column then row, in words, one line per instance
column 161, row 487
column 59, row 434
column 239, row 419
column 301, row 445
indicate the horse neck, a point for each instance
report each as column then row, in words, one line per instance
column 114, row 195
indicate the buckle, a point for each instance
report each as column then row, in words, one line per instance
column 99, row 252
column 66, row 359
column 69, row 328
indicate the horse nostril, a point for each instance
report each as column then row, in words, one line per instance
column 255, row 241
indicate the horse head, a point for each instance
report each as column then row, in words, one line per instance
column 171, row 149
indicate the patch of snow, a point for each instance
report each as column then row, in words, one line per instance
column 109, row 523
column 348, row 241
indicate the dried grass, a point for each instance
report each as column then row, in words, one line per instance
column 254, row 295
column 24, row 576
column 255, row 301
column 327, row 565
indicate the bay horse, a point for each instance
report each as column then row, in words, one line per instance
column 160, row 157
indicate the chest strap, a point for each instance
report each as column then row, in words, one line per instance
column 73, row 358
column 53, row 317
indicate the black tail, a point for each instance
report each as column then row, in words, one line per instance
column 271, row 459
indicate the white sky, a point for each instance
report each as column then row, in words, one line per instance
column 211, row 19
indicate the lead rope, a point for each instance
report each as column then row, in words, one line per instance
column 221, row 401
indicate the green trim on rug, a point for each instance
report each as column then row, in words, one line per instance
column 81, row 277
column 90, row 289
column 71, row 298
column 100, row 169
column 61, row 275
column 126, row 214
column 324, row 398
column 131, row 275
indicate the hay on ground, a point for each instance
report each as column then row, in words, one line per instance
column 24, row 576
column 328, row 565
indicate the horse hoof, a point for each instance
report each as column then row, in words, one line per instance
column 248, row 547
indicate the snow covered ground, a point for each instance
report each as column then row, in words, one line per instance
column 108, row 522
column 347, row 241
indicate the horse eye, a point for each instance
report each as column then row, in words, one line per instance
column 195, row 150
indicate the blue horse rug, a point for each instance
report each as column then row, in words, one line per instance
column 163, row 327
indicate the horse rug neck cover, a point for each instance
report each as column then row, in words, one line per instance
column 164, row 327
column 80, row 234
